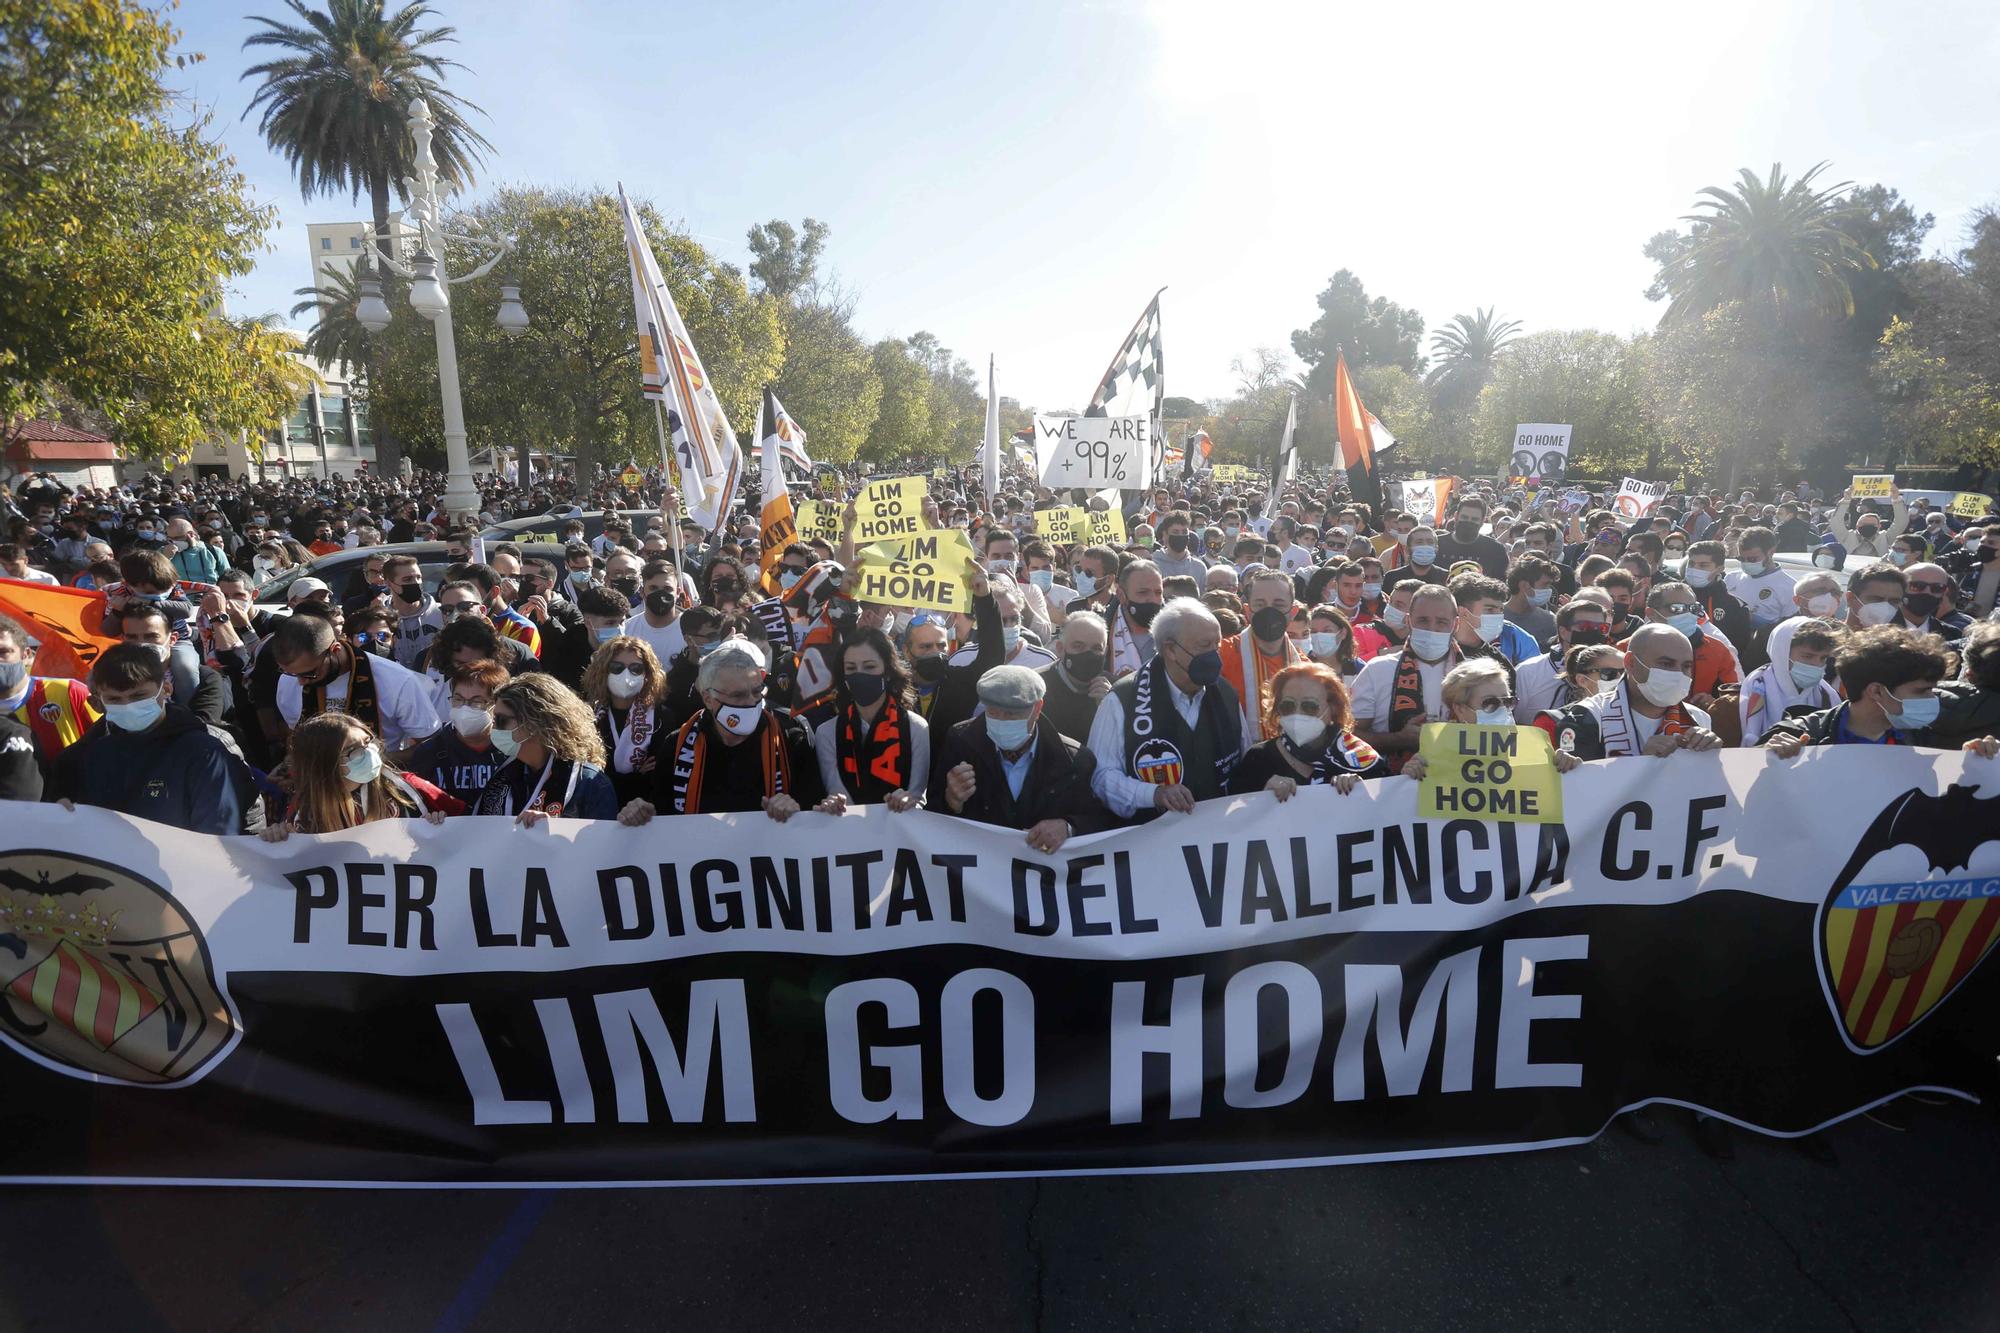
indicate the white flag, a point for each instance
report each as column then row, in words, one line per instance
column 671, row 373
column 791, row 435
column 989, row 451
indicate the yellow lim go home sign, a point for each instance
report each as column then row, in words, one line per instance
column 1507, row 774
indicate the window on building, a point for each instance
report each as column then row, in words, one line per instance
column 299, row 429
column 354, row 242
column 326, row 242
column 363, row 435
column 333, row 411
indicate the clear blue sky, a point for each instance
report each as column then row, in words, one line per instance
column 1019, row 178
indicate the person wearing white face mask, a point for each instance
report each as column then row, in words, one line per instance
column 1760, row 583
column 1891, row 679
column 626, row 688
column 1000, row 548
column 1482, row 619
column 1647, row 713
column 1479, row 693
column 1397, row 692
column 150, row 758
column 459, row 758
column 1875, row 596
column 1794, row 681
column 339, row 780
column 1715, row 664
column 1312, row 743
column 735, row 754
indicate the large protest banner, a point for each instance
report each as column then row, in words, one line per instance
column 1095, row 453
column 718, row 998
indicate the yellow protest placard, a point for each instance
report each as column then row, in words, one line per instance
column 1873, row 485
column 1064, row 524
column 1106, row 527
column 891, row 509
column 818, row 520
column 1505, row 774
column 930, row 570
column 1970, row 504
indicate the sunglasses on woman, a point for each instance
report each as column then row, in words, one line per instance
column 1287, row 707
column 622, row 668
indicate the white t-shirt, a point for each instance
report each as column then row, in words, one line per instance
column 39, row 576
column 403, row 698
column 1376, row 683
column 1769, row 596
column 665, row 641
column 1535, row 687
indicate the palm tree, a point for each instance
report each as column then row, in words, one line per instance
column 1777, row 246
column 1469, row 347
column 336, row 102
column 338, row 335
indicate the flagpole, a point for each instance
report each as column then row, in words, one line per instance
column 673, row 520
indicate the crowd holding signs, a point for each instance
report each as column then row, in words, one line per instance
column 831, row 845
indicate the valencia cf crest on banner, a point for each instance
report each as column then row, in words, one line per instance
column 103, row 975
column 1900, row 930
column 1157, row 761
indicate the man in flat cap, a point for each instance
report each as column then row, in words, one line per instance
column 1010, row 766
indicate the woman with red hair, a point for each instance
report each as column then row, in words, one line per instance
column 1308, row 706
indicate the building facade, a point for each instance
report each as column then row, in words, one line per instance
column 336, row 247
column 327, row 434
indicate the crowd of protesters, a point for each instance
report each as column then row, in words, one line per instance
column 1238, row 642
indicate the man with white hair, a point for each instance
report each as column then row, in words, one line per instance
column 1010, row 766
column 1647, row 712
column 1220, row 578
column 735, row 754
column 1080, row 677
column 1167, row 735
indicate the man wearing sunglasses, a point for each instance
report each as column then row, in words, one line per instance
column 324, row 674
column 1927, row 597
column 1538, row 682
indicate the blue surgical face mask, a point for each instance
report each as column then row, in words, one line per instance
column 1495, row 716
column 1042, row 578
column 1395, row 617
column 135, row 716
column 506, row 741
column 1697, row 578
column 1430, row 645
column 1916, row 714
column 1009, row 733
column 1686, row 622
column 1085, row 583
column 1325, row 643
column 1011, row 636
column 1756, row 569
column 1540, row 596
column 607, row 634
column 365, row 767
column 1806, row 676
column 1423, row 555
column 1371, row 590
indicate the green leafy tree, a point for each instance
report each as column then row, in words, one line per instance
column 828, row 382
column 1578, row 376
column 119, row 230
column 1374, row 331
column 571, row 382
column 335, row 105
column 785, row 259
column 1939, row 370
column 902, row 428
column 1400, row 401
column 1779, row 248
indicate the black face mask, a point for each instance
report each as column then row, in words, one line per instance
column 1588, row 636
column 660, row 601
column 1465, row 530
column 630, row 587
column 1142, row 612
column 722, row 589
column 1268, row 623
column 865, row 688
column 1923, row 604
column 411, row 593
column 1988, row 554
column 1084, row 666
column 1177, row 541
column 929, row 670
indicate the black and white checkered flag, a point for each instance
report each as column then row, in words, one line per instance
column 1134, row 384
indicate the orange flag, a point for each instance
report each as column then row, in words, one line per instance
column 1357, row 436
column 64, row 620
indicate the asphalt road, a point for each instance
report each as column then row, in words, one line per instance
column 1903, row 1233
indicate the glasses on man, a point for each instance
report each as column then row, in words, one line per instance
column 451, row 609
column 1938, row 588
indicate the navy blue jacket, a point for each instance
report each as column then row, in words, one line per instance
column 176, row 773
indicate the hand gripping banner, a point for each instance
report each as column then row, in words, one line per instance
column 718, row 998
